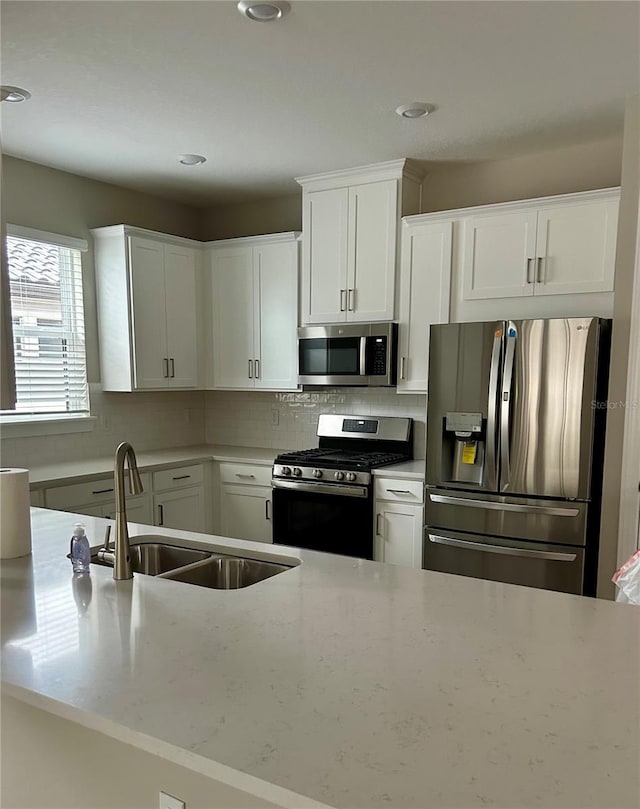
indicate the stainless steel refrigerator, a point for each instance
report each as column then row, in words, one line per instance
column 515, row 441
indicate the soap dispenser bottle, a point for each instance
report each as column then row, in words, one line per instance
column 80, row 552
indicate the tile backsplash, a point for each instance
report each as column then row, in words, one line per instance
column 160, row 420
column 147, row 420
column 289, row 420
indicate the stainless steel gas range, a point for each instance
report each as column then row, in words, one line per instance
column 323, row 497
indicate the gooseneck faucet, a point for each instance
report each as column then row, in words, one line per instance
column 122, row 561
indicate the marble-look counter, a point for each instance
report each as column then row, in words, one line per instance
column 408, row 470
column 341, row 682
column 72, row 471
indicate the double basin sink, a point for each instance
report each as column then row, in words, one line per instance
column 201, row 567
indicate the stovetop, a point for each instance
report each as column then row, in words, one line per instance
column 340, row 458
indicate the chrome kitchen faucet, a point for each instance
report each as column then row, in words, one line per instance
column 121, row 557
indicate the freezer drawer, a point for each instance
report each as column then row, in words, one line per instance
column 531, row 564
column 558, row 521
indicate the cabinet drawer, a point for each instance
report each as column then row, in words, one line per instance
column 177, row 477
column 401, row 491
column 245, row 474
column 94, row 491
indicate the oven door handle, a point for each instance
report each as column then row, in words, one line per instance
column 321, row 488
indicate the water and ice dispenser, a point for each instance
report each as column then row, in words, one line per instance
column 464, row 445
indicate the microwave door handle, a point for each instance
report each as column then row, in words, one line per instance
column 505, row 405
column 363, row 356
column 492, row 408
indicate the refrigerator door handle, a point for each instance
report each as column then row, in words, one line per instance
column 492, row 411
column 505, row 404
column 480, row 546
column 547, row 511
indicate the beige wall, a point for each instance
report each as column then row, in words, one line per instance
column 581, row 167
column 619, row 391
column 275, row 215
column 46, row 199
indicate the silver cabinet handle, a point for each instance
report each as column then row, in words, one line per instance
column 165, row 368
column 378, row 531
column 491, row 505
column 173, row 367
column 492, row 405
column 505, row 404
column 102, row 491
column 480, row 546
column 267, row 505
column 351, row 298
column 529, row 278
column 539, row 275
column 257, row 367
column 402, row 364
column 343, row 300
column 399, row 491
column 250, row 369
column 180, row 477
column 244, row 475
column 160, row 515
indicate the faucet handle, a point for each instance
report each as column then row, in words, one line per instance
column 107, row 537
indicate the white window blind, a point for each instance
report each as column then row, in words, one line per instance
column 45, row 280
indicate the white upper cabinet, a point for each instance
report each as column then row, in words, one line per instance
column 350, row 222
column 425, row 279
column 541, row 247
column 147, row 309
column 254, row 312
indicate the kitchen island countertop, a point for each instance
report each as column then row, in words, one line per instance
column 341, row 682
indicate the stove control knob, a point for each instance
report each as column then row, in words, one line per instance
column 339, row 475
column 351, row 476
column 297, row 472
column 286, row 471
column 317, row 473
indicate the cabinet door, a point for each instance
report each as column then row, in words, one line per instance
column 498, row 255
column 146, row 265
column 424, row 298
column 233, row 342
column 181, row 307
column 576, row 248
column 325, row 256
column 138, row 510
column 276, row 315
column 245, row 512
column 371, row 274
column 398, row 534
column 183, row 509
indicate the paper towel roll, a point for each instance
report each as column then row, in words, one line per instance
column 15, row 520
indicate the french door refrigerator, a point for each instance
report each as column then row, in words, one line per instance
column 515, row 443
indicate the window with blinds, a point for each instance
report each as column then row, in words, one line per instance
column 45, row 281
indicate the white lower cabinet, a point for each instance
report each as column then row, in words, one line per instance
column 183, row 509
column 245, row 501
column 398, row 522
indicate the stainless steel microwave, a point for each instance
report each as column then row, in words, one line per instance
column 353, row 354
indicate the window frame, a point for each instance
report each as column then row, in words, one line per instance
column 19, row 424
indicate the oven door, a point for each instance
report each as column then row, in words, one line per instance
column 324, row 517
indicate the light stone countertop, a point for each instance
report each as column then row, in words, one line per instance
column 408, row 470
column 73, row 471
column 341, row 682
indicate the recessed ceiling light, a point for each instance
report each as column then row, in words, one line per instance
column 192, row 159
column 8, row 93
column 263, row 10
column 415, row 110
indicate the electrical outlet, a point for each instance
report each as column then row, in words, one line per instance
column 169, row 802
column 275, row 417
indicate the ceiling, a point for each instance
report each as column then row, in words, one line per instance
column 120, row 89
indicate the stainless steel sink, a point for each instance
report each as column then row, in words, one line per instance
column 227, row 572
column 154, row 558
